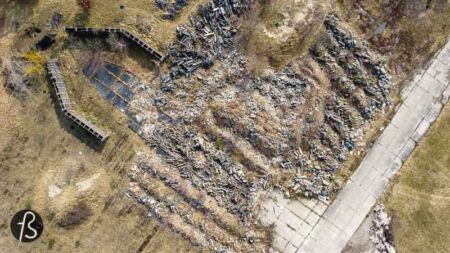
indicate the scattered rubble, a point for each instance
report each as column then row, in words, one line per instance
column 56, row 20
column 380, row 232
column 298, row 136
column 172, row 9
column 198, row 44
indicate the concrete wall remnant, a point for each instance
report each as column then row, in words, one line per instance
column 62, row 95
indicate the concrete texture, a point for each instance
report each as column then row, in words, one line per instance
column 310, row 226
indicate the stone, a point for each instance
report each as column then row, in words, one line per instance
column 420, row 131
column 320, row 208
column 312, row 219
column 298, row 209
column 290, row 249
column 290, row 218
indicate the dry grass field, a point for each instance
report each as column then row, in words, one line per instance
column 420, row 197
column 50, row 165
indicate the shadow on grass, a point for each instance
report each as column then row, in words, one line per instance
column 98, row 42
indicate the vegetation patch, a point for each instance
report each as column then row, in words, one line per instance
column 419, row 199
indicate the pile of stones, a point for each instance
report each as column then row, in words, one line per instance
column 198, row 44
column 380, row 231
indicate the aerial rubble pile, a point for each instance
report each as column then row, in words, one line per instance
column 355, row 73
column 172, row 9
column 303, row 137
column 380, row 231
column 198, row 44
column 188, row 210
column 217, row 174
column 360, row 88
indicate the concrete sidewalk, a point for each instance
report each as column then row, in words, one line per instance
column 309, row 226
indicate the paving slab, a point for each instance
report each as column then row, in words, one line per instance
column 407, row 150
column 421, row 131
column 312, row 218
column 299, row 209
column 284, row 230
column 394, row 168
column 290, row 249
column 291, row 219
column 279, row 243
column 433, row 111
column 432, row 85
column 320, row 208
column 305, row 229
column 297, row 240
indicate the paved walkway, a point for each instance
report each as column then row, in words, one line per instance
column 309, row 226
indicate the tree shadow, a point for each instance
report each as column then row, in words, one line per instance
column 98, row 41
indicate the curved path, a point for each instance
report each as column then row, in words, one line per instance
column 309, row 226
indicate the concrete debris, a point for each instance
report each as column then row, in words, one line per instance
column 33, row 31
column 196, row 125
column 16, row 80
column 172, row 9
column 209, row 32
column 380, row 231
column 218, row 175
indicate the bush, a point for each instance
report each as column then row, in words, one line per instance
column 75, row 216
column 85, row 5
column 81, row 19
column 51, row 243
column 15, row 79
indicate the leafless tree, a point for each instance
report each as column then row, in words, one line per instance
column 116, row 44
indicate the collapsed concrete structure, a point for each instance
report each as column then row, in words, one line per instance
column 219, row 142
column 62, row 95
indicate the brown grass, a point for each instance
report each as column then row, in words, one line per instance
column 419, row 199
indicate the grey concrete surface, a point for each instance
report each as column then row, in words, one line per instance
column 310, row 226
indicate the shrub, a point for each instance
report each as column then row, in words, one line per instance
column 51, row 243
column 34, row 57
column 85, row 5
column 15, row 79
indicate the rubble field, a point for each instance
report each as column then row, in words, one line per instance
column 222, row 138
column 223, row 117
